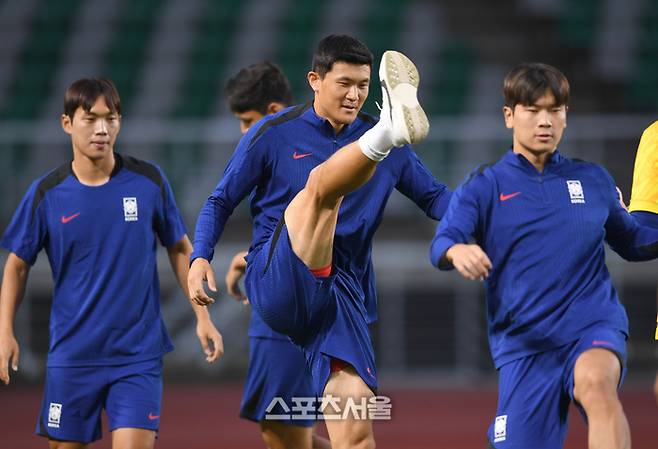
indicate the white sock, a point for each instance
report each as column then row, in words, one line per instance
column 377, row 142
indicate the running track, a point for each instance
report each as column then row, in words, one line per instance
column 204, row 417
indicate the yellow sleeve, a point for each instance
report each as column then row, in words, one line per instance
column 644, row 195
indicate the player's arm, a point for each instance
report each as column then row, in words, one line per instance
column 450, row 247
column 626, row 234
column 418, row 184
column 13, row 286
column 235, row 272
column 244, row 171
column 209, row 336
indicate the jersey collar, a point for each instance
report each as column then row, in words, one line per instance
column 519, row 160
column 312, row 117
column 118, row 164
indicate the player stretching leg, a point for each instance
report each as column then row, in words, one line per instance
column 313, row 304
column 325, row 311
column 98, row 218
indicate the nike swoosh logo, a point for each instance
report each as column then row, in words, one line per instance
column 67, row 219
column 153, row 417
column 297, row 155
column 510, row 196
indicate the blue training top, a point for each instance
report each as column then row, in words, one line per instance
column 101, row 244
column 544, row 234
column 273, row 161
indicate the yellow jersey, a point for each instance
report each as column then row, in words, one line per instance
column 644, row 195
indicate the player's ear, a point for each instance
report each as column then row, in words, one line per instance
column 508, row 114
column 314, row 80
column 566, row 109
column 274, row 107
column 67, row 123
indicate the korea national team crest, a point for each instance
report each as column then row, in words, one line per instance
column 576, row 192
column 500, row 428
column 54, row 415
column 130, row 209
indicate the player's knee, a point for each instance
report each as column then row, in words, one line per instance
column 356, row 439
column 595, row 387
column 272, row 440
column 365, row 442
column 315, row 188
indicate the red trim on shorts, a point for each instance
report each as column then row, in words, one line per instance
column 338, row 365
column 321, row 272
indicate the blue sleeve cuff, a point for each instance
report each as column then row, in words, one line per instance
column 437, row 253
column 202, row 253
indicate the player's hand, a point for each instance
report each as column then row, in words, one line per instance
column 211, row 340
column 470, row 261
column 201, row 271
column 9, row 353
column 234, row 274
column 621, row 199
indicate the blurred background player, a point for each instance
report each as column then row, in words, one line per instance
column 644, row 196
column 98, row 218
column 312, row 277
column 254, row 92
column 557, row 330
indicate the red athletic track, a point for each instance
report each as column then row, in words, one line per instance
column 204, row 417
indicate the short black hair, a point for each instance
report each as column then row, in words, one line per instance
column 254, row 87
column 340, row 48
column 527, row 82
column 84, row 93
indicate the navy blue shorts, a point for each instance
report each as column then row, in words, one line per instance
column 319, row 314
column 277, row 369
column 535, row 393
column 75, row 396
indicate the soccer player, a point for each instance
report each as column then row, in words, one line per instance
column 644, row 196
column 539, row 221
column 309, row 271
column 98, row 218
column 254, row 92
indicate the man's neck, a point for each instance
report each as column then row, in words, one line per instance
column 338, row 127
column 93, row 172
column 537, row 158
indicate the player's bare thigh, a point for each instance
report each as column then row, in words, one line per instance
column 311, row 227
column 597, row 373
column 349, row 432
column 132, row 438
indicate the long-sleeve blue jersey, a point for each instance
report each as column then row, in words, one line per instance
column 544, row 234
column 272, row 163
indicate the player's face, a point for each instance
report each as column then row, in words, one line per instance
column 247, row 119
column 93, row 133
column 537, row 128
column 340, row 95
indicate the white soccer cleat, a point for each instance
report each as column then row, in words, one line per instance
column 399, row 79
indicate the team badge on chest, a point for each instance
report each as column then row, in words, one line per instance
column 130, row 209
column 576, row 192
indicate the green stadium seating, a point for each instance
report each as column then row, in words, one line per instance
column 39, row 59
column 126, row 55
